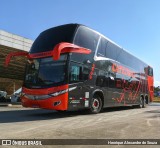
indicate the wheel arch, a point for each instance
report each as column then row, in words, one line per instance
column 142, row 96
column 100, row 93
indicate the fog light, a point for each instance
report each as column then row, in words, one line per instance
column 56, row 103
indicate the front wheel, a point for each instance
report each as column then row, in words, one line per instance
column 96, row 105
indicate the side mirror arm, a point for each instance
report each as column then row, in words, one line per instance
column 13, row 54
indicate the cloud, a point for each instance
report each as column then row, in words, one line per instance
column 156, row 83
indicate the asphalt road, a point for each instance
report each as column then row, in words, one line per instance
column 112, row 123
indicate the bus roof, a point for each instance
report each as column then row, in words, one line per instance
column 69, row 31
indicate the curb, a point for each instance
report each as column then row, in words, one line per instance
column 3, row 105
column 9, row 104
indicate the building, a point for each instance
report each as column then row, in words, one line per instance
column 11, row 77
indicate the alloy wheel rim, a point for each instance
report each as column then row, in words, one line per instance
column 95, row 104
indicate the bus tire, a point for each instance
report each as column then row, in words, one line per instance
column 145, row 103
column 141, row 103
column 96, row 105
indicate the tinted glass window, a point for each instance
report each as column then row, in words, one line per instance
column 112, row 51
column 129, row 60
column 51, row 37
column 102, row 47
column 75, row 73
column 86, row 72
column 125, row 58
column 78, row 72
column 45, row 72
column 86, row 38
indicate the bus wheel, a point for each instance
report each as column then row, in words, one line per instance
column 145, row 103
column 96, row 105
column 141, row 103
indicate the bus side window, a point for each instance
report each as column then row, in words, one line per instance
column 86, row 38
column 75, row 73
column 102, row 48
column 112, row 51
column 86, row 72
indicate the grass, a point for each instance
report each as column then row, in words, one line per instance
column 156, row 99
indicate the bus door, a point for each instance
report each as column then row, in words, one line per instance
column 78, row 92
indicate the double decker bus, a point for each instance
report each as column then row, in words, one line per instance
column 72, row 67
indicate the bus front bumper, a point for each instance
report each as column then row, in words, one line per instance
column 54, row 103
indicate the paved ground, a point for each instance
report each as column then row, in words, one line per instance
column 112, row 123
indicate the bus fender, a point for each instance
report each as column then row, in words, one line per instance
column 98, row 92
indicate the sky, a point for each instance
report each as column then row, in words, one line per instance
column 132, row 24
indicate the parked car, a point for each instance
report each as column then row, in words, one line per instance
column 15, row 97
column 3, row 96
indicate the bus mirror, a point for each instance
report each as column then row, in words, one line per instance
column 65, row 47
column 14, row 54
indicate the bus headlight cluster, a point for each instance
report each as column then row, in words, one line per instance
column 59, row 93
column 41, row 97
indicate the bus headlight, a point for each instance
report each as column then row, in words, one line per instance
column 41, row 97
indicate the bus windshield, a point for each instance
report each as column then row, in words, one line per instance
column 45, row 72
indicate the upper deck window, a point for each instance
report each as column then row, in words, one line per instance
column 102, row 47
column 51, row 37
column 86, row 38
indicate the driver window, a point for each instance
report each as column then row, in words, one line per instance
column 75, row 73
